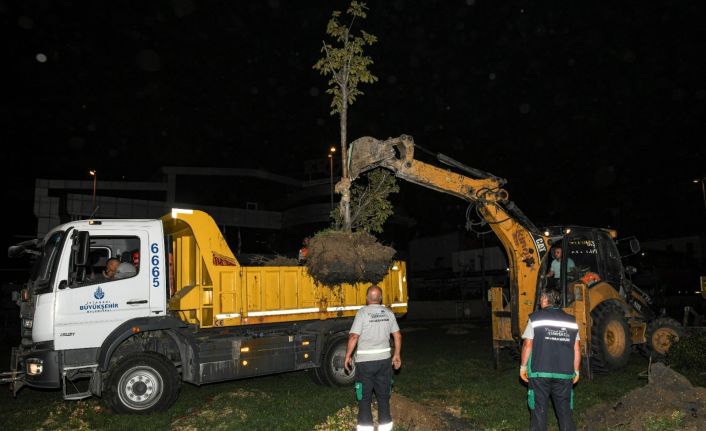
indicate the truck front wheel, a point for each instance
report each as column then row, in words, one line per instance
column 142, row 383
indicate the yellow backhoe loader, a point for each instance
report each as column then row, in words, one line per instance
column 613, row 314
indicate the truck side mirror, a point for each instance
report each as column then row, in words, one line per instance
column 628, row 246
column 80, row 248
column 634, row 245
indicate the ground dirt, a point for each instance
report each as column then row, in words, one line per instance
column 336, row 257
column 407, row 414
column 413, row 416
column 668, row 401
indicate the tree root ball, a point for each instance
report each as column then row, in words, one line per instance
column 337, row 257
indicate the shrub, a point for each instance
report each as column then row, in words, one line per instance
column 689, row 353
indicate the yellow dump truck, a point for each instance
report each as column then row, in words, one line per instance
column 180, row 308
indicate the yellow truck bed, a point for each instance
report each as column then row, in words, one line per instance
column 210, row 288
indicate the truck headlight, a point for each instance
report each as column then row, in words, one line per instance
column 27, row 323
column 34, row 366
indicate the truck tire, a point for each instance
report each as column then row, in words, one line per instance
column 661, row 334
column 318, row 376
column 142, row 383
column 612, row 343
column 332, row 364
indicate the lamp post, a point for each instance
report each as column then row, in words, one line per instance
column 330, row 161
column 703, row 189
column 95, row 177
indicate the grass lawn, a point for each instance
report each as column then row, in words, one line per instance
column 456, row 372
column 441, row 368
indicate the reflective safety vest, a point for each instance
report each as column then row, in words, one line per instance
column 553, row 345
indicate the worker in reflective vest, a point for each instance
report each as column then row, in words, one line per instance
column 550, row 362
column 371, row 330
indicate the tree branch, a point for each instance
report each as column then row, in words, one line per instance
column 336, row 76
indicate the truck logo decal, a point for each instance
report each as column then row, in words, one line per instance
column 541, row 248
column 154, row 248
column 220, row 260
column 99, row 294
column 99, row 305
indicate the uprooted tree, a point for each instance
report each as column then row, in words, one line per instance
column 337, row 256
column 348, row 67
column 348, row 253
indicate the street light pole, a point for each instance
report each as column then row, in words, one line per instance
column 330, row 160
column 703, row 189
column 95, row 176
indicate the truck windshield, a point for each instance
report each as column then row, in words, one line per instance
column 41, row 273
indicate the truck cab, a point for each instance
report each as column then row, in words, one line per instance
column 70, row 307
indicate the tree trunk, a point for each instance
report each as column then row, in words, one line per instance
column 346, row 191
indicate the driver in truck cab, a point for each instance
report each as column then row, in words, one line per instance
column 554, row 273
column 111, row 269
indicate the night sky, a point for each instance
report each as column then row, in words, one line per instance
column 594, row 112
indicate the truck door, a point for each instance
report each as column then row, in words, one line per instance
column 91, row 307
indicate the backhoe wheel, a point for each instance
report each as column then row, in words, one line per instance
column 661, row 334
column 333, row 363
column 611, row 341
column 142, row 383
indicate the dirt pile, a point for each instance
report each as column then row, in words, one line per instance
column 413, row 416
column 668, row 401
column 336, row 257
column 406, row 414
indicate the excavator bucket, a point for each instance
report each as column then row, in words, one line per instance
column 368, row 153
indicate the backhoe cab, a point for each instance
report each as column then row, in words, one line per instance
column 613, row 314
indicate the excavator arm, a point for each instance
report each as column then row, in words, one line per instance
column 525, row 246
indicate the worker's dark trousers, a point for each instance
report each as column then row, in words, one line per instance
column 559, row 390
column 374, row 375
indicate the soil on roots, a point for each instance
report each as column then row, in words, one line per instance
column 668, row 398
column 336, row 257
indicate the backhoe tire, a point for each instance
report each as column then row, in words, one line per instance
column 142, row 383
column 661, row 334
column 611, row 342
column 332, row 364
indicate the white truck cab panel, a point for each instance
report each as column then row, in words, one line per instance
column 85, row 312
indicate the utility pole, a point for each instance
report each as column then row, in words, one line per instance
column 94, row 174
column 703, row 189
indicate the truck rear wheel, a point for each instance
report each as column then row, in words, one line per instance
column 661, row 334
column 333, row 363
column 142, row 383
column 318, row 376
column 612, row 343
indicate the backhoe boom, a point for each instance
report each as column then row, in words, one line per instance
column 524, row 244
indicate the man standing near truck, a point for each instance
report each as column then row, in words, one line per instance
column 371, row 332
column 550, row 362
